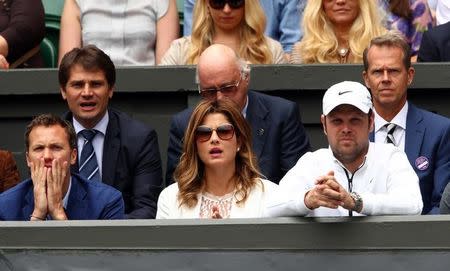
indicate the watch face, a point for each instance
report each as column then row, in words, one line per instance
column 358, row 201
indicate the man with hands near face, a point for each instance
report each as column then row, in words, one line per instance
column 52, row 192
column 352, row 176
column 49, row 185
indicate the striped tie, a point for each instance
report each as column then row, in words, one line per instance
column 88, row 160
column 390, row 133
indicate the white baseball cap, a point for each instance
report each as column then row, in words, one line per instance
column 347, row 92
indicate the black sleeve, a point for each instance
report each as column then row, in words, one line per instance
column 428, row 51
column 26, row 27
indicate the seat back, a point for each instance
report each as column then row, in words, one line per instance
column 49, row 53
column 53, row 9
column 50, row 44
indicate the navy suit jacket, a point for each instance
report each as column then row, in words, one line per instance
column 278, row 135
column 87, row 201
column 428, row 149
column 131, row 163
column 435, row 45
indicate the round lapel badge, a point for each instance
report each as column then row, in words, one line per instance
column 422, row 163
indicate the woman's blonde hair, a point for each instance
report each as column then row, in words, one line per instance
column 190, row 170
column 320, row 44
column 253, row 44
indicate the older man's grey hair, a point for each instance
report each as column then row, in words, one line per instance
column 244, row 69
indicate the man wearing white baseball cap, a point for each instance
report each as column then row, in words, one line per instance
column 352, row 176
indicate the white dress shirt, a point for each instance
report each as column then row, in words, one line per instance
column 98, row 140
column 400, row 130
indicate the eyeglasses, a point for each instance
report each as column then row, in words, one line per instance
column 211, row 93
column 224, row 132
column 220, row 4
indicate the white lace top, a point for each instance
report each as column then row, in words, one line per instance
column 169, row 204
column 223, row 203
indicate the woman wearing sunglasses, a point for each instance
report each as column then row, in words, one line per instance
column 239, row 24
column 217, row 176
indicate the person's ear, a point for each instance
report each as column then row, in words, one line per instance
column 366, row 79
column 246, row 72
column 411, row 72
column 73, row 156
column 111, row 91
column 324, row 124
column 239, row 144
column 63, row 93
column 28, row 159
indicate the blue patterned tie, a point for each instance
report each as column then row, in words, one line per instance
column 88, row 160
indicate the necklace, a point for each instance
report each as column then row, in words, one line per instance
column 343, row 54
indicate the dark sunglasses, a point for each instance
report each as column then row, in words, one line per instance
column 211, row 93
column 220, row 4
column 224, row 132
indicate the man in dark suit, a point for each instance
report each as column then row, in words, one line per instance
column 424, row 136
column 435, row 45
column 124, row 152
column 52, row 192
column 279, row 138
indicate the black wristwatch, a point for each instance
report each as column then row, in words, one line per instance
column 358, row 202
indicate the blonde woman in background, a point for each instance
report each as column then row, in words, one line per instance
column 337, row 31
column 239, row 24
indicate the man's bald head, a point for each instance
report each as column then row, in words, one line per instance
column 218, row 67
column 217, row 57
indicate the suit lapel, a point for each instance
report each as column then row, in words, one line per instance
column 76, row 204
column 73, row 168
column 28, row 207
column 111, row 147
column 415, row 131
column 257, row 115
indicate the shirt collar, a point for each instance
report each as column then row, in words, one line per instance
column 342, row 165
column 399, row 119
column 100, row 126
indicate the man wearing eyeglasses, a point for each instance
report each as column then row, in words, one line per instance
column 278, row 136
